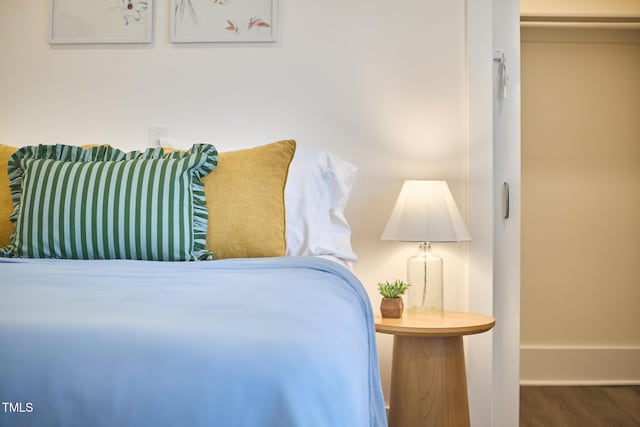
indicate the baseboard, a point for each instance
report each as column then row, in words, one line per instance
column 575, row 365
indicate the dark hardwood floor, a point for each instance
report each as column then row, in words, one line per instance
column 580, row 406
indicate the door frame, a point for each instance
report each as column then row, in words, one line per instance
column 494, row 253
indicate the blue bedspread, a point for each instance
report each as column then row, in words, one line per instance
column 267, row 342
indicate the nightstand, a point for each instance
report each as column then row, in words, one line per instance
column 428, row 374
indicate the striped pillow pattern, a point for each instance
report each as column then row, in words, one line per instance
column 102, row 203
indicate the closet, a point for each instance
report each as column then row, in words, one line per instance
column 580, row 235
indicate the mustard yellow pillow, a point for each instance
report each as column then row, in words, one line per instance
column 245, row 201
column 6, row 205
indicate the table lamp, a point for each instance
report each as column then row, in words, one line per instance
column 425, row 212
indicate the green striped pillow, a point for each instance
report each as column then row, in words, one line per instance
column 103, row 203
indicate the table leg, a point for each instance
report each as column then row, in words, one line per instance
column 428, row 382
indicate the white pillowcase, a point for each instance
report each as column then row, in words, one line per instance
column 318, row 188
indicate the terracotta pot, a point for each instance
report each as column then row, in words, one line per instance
column 391, row 307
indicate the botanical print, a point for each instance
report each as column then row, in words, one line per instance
column 131, row 10
column 101, row 21
column 223, row 20
column 186, row 5
column 253, row 22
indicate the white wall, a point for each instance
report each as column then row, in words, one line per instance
column 480, row 17
column 382, row 84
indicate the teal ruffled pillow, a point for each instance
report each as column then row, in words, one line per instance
column 103, row 203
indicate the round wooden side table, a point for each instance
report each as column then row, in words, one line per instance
column 428, row 374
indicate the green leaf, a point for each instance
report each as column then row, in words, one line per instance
column 392, row 290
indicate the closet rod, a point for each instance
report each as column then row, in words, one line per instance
column 580, row 21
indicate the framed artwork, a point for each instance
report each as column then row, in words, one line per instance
column 101, row 21
column 223, row 21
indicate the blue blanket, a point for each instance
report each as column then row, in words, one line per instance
column 267, row 342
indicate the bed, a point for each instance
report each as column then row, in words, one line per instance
column 244, row 339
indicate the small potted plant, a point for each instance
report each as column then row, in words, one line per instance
column 392, row 305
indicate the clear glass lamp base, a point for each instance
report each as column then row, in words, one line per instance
column 424, row 275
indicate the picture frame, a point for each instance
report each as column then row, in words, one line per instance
column 100, row 21
column 222, row 21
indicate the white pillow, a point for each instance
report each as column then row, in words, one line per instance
column 318, row 188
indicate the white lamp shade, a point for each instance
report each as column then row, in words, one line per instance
column 426, row 212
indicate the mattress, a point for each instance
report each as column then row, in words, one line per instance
column 264, row 342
